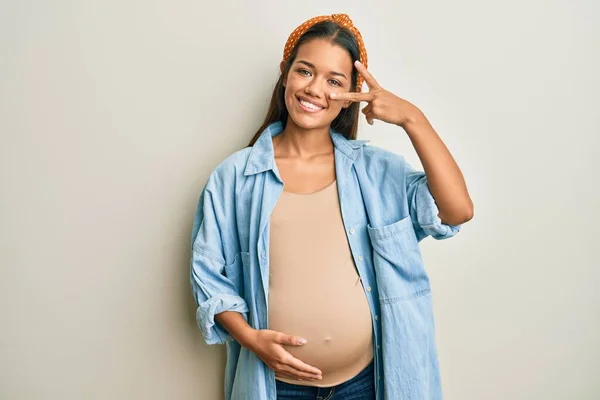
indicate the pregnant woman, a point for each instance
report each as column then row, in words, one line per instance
column 305, row 256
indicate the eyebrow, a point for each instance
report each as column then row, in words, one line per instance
column 310, row 65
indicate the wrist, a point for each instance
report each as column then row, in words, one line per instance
column 414, row 122
column 245, row 337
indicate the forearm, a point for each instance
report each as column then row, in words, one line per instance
column 445, row 180
column 237, row 327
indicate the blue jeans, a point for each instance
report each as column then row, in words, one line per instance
column 361, row 387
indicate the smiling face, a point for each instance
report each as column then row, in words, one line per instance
column 320, row 68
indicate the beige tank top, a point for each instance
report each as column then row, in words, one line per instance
column 315, row 290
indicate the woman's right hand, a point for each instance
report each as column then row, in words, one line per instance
column 268, row 346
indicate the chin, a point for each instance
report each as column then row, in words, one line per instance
column 302, row 123
column 309, row 122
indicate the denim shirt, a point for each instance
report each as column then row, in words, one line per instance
column 387, row 209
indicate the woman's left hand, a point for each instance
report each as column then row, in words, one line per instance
column 382, row 105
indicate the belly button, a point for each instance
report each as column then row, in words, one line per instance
column 328, row 339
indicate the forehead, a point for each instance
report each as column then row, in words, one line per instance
column 325, row 55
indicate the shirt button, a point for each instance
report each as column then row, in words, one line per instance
column 368, row 288
column 376, row 317
column 378, row 377
column 352, row 231
column 378, row 347
column 360, row 258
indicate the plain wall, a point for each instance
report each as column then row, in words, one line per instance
column 113, row 113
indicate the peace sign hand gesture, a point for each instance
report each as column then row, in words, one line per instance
column 382, row 105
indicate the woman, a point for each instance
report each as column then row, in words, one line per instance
column 305, row 257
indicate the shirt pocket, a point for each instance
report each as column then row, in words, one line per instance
column 234, row 271
column 398, row 262
column 406, row 310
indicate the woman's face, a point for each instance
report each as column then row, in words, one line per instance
column 319, row 69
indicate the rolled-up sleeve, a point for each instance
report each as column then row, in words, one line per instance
column 213, row 291
column 423, row 209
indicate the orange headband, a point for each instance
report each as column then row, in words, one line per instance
column 342, row 20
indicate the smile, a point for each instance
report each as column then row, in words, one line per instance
column 308, row 106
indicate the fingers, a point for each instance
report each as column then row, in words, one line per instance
column 369, row 114
column 283, row 363
column 291, row 340
column 369, row 79
column 370, row 118
column 288, row 376
column 285, row 375
column 352, row 96
column 302, row 367
column 367, row 109
column 295, row 374
column 358, row 96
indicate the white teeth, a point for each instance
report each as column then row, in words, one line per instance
column 310, row 105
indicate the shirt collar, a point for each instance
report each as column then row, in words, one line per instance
column 262, row 154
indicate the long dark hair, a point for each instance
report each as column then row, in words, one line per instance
column 346, row 122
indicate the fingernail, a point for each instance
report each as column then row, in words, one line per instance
column 302, row 341
column 357, row 62
column 332, row 95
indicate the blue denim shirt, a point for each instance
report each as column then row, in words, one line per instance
column 387, row 209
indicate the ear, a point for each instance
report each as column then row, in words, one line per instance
column 346, row 104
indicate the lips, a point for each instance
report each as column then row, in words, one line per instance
column 309, row 106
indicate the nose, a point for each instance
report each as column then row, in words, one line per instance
column 314, row 89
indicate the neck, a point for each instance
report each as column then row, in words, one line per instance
column 296, row 141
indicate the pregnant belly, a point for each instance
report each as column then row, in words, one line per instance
column 339, row 331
